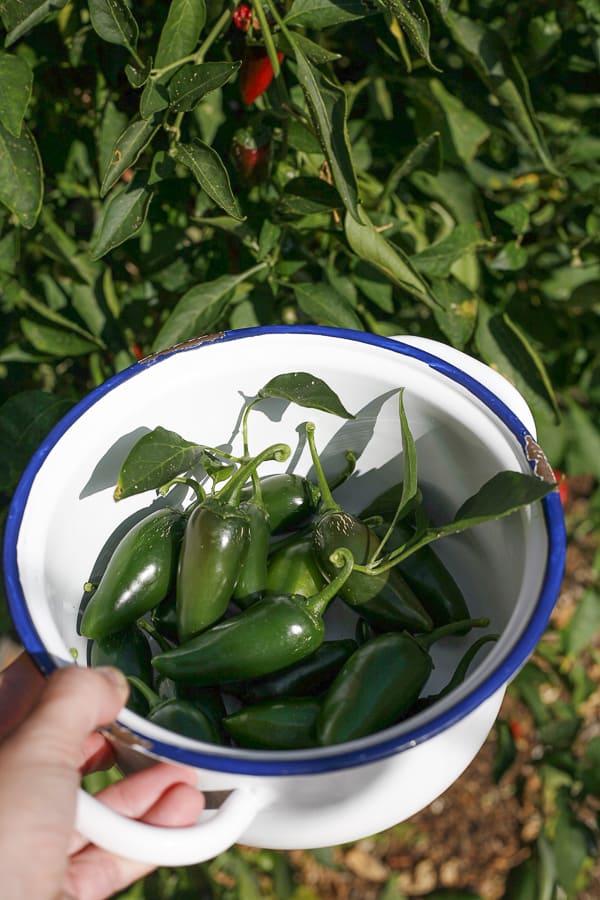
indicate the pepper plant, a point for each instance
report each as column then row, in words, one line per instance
column 398, row 166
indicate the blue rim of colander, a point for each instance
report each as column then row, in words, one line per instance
column 245, row 762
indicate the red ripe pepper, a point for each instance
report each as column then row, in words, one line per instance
column 242, row 17
column 563, row 486
column 256, row 73
column 251, row 151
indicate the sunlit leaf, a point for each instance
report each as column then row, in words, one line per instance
column 305, row 390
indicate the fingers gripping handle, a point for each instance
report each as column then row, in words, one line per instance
column 169, row 846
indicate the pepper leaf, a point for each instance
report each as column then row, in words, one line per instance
column 305, row 390
column 326, row 306
column 180, row 33
column 504, row 493
column 21, row 178
column 372, row 246
column 16, row 80
column 328, row 109
column 127, row 148
column 413, row 19
column 318, row 14
column 209, row 170
column 123, row 216
column 200, row 309
column 20, row 16
column 192, row 83
column 113, row 21
column 155, row 459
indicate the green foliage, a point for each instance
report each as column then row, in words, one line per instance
column 433, row 168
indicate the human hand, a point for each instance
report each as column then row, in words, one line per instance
column 47, row 740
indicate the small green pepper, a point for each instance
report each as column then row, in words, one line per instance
column 380, row 683
column 129, row 651
column 164, row 618
column 271, row 634
column 215, row 543
column 289, row 499
column 287, row 723
column 180, row 716
column 252, row 580
column 140, row 573
column 216, row 539
column 311, row 676
column 293, row 569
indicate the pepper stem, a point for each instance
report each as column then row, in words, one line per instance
column 146, row 691
column 231, row 492
column 464, row 663
column 426, row 640
column 318, row 603
column 327, row 501
column 154, row 633
column 346, row 472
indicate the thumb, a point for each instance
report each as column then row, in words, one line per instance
column 74, row 703
column 39, row 775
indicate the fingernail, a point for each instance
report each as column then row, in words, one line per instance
column 116, row 678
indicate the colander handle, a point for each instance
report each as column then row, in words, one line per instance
column 161, row 846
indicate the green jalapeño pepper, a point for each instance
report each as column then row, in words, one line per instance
column 181, row 716
column 287, row 723
column 380, row 682
column 289, row 499
column 252, row 580
column 311, row 676
column 385, row 600
column 140, row 573
column 215, row 543
column 271, row 634
column 216, row 539
column 129, row 651
column 293, row 569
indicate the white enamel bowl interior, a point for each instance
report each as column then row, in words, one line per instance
column 71, row 521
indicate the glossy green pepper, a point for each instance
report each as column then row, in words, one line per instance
column 289, row 499
column 207, row 699
column 140, row 573
column 385, row 601
column 129, row 651
column 293, row 569
column 215, row 542
column 252, row 580
column 271, row 634
column 428, row 577
column 164, row 618
column 287, row 723
column 311, row 676
column 180, row 716
column 380, row 683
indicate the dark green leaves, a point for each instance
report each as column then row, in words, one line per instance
column 324, row 13
column 322, row 303
column 500, row 496
column 114, row 22
column 200, row 309
column 502, row 74
column 209, row 171
column 371, row 245
column 123, row 216
column 327, row 105
column 20, row 16
column 25, row 420
column 21, row 179
column 16, row 79
column 305, row 390
column 127, row 148
column 180, row 33
column 192, row 83
column 413, row 19
column 154, row 460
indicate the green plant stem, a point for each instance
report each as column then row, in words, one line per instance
column 200, row 53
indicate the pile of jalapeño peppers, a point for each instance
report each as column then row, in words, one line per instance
column 215, row 611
